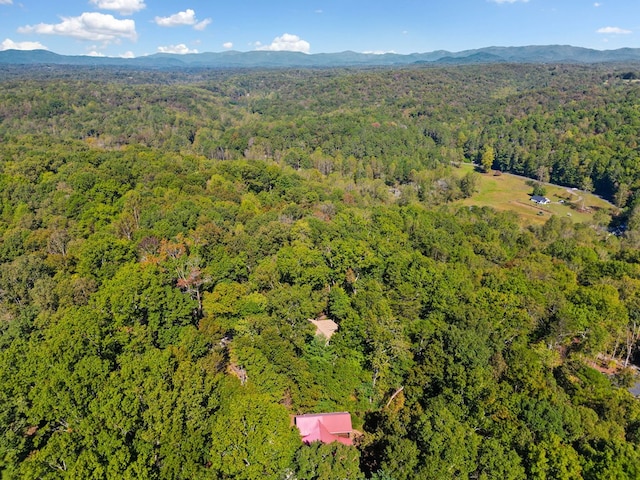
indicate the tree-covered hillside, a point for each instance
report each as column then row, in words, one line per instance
column 165, row 238
column 574, row 125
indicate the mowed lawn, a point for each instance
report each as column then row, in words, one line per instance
column 503, row 191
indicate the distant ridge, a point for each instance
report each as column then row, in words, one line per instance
column 253, row 59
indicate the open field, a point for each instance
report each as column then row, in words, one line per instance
column 511, row 192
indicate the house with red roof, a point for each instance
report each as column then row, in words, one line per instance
column 325, row 427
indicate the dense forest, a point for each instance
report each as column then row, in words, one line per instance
column 166, row 236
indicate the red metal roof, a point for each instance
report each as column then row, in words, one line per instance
column 325, row 427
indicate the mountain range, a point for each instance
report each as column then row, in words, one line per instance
column 235, row 59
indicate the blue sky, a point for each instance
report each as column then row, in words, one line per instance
column 142, row 27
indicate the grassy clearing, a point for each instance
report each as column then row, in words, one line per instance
column 511, row 192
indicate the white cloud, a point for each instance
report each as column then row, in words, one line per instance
column 93, row 53
column 6, row 2
column 93, row 26
column 180, row 49
column 123, row 7
column 378, row 52
column 202, row 25
column 287, row 42
column 614, row 30
column 9, row 44
column 127, row 54
column 227, row 45
column 597, row 4
column 188, row 17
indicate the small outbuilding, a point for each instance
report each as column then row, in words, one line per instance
column 540, row 200
column 325, row 327
column 635, row 390
column 325, row 427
